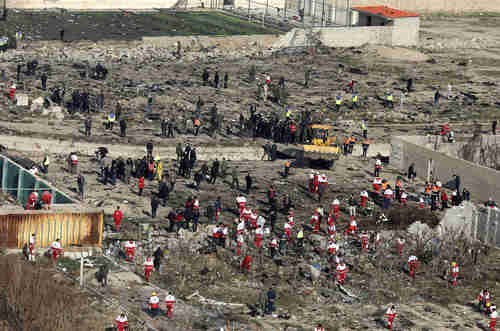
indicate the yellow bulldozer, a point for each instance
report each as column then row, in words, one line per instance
column 321, row 151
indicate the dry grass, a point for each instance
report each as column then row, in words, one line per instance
column 33, row 297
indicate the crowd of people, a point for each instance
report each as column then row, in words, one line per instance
column 254, row 232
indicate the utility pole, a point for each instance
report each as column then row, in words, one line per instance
column 4, row 13
column 249, row 10
column 81, row 267
column 323, row 20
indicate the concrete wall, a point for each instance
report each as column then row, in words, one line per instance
column 356, row 36
column 402, row 32
column 454, row 6
column 482, row 182
column 167, row 151
column 406, row 31
column 225, row 42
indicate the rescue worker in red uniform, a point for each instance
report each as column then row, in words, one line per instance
column 31, row 248
column 169, row 303
column 335, row 209
column 253, row 219
column 391, row 315
column 117, row 216
column 364, row 199
column 315, row 183
column 56, row 249
column 32, row 199
column 377, row 183
column 364, row 241
column 288, row 231
column 242, row 201
column 148, row 268
column 332, row 248
column 401, row 244
column 484, row 297
column 290, row 219
column 454, row 273
column 341, row 272
column 403, row 199
column 46, row 199
column 413, row 262
column 154, row 304
column 121, row 322
column 246, row 213
column 493, row 319
column 245, row 265
column 315, row 221
column 353, row 226
column 141, row 185
column 259, row 234
column 239, row 241
column 130, row 250
column 332, row 229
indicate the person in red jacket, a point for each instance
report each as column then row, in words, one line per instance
column 444, row 200
column 169, row 303
column 121, row 322
column 117, row 215
column 141, row 185
column 246, row 263
column 32, row 199
column 46, row 198
column 391, row 315
column 148, row 268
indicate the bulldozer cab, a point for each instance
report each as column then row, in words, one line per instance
column 322, row 135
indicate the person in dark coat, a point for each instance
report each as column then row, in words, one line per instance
column 205, row 76
column 158, row 256
column 226, row 79
column 44, row 81
column 123, row 128
column 215, row 171
column 154, row 206
column 457, row 182
column 271, row 297
column 164, row 191
column 249, row 181
column 216, row 79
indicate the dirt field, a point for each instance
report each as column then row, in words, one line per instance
column 375, row 279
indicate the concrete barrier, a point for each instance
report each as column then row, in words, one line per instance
column 477, row 222
column 26, row 144
column 482, row 182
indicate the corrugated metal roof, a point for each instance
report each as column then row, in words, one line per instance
column 385, row 11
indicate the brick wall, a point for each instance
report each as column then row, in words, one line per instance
column 482, row 182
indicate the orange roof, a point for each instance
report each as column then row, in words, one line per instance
column 384, row 11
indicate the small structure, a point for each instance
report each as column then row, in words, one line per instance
column 405, row 25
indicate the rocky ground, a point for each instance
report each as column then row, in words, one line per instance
column 376, row 278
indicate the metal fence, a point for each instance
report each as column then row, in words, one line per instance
column 298, row 13
column 485, row 226
column 19, row 183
